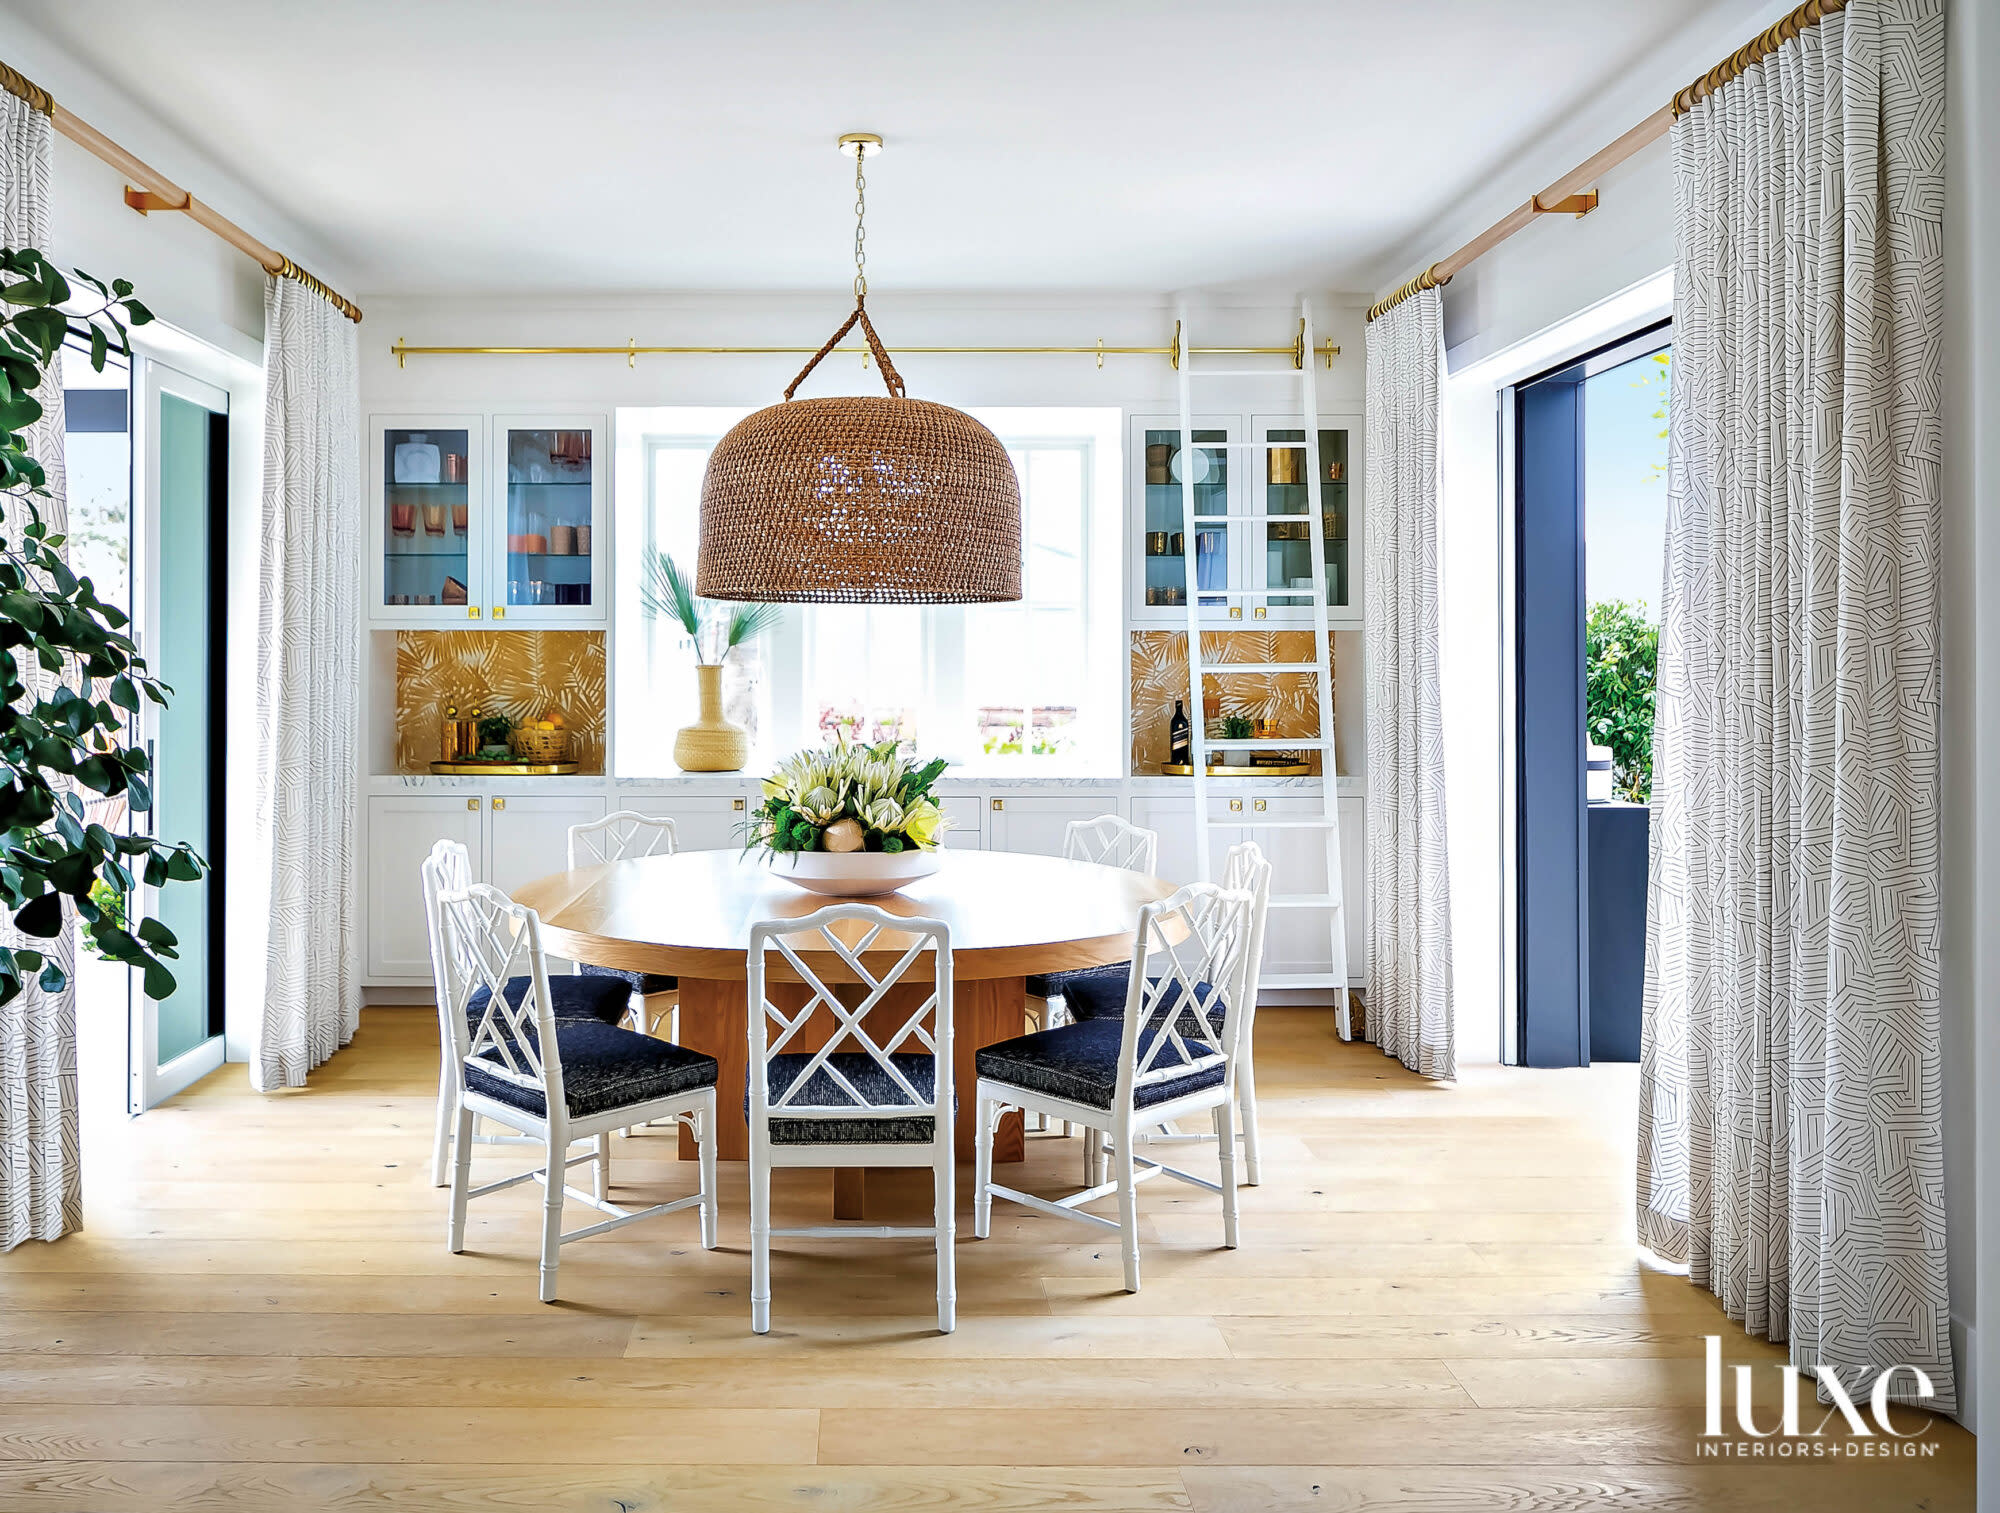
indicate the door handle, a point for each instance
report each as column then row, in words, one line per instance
column 499, row 803
column 472, row 804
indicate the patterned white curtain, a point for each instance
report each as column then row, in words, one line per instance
column 1409, row 892
column 308, row 683
column 1789, row 1144
column 41, row 1190
column 41, row 1179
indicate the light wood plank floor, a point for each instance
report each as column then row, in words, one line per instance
column 1436, row 1307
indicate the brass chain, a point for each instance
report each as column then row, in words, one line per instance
column 860, row 223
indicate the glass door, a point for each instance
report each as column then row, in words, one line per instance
column 1163, row 530
column 428, row 521
column 178, row 585
column 546, row 557
column 1286, row 551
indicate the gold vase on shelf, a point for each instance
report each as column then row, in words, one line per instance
column 711, row 743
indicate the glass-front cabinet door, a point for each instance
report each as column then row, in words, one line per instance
column 550, row 477
column 428, row 525
column 1302, row 504
column 1164, row 543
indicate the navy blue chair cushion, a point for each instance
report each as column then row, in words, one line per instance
column 603, row 1068
column 874, row 1084
column 1060, row 984
column 647, row 983
column 1102, row 996
column 602, row 999
column 1079, row 1063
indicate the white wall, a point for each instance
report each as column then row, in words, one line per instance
column 1971, row 709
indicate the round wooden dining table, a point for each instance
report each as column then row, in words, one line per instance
column 689, row 915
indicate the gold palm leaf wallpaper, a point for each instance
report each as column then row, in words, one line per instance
column 1160, row 676
column 524, row 673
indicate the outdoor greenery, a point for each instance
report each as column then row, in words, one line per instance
column 66, row 738
column 1621, row 648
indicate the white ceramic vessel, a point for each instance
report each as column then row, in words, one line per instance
column 855, row 874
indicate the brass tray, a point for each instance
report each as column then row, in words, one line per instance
column 504, row 769
column 1288, row 770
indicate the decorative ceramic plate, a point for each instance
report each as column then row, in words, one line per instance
column 854, row 874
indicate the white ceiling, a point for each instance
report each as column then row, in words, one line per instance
column 612, row 145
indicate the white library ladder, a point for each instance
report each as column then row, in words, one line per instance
column 1330, row 903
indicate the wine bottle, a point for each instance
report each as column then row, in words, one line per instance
column 1179, row 750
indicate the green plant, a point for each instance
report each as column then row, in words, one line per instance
column 66, row 736
column 1237, row 727
column 494, row 729
column 667, row 594
column 1621, row 649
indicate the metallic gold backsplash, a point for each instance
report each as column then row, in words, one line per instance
column 1160, row 676
column 524, row 673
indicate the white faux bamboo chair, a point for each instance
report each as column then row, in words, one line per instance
column 1103, row 996
column 448, row 869
column 860, row 1099
column 553, row 1080
column 616, row 838
column 1109, row 841
column 1170, row 1056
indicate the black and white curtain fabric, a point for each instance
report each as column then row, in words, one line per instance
column 1789, row 1143
column 41, row 1181
column 1409, row 1011
column 308, row 684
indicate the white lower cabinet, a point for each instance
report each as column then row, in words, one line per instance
column 527, row 835
column 966, row 812
column 1036, row 822
column 511, row 838
column 1295, row 940
column 401, row 831
column 702, row 822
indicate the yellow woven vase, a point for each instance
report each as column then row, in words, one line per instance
column 711, row 743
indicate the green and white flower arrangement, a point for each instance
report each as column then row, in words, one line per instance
column 849, row 798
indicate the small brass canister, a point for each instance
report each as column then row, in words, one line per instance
column 458, row 737
column 1285, row 465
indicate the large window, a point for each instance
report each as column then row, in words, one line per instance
column 1030, row 687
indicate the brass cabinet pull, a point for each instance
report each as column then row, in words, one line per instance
column 1258, row 613
column 1236, row 806
column 472, row 804
column 1236, row 612
column 737, row 805
column 499, row 611
column 499, row 803
column 472, row 611
column 999, row 803
column 1260, row 806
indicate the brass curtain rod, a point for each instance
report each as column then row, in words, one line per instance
column 158, row 192
column 632, row 351
column 1567, row 195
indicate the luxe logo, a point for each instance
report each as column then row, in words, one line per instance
column 1785, row 1438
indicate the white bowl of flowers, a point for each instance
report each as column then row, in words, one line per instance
column 850, row 821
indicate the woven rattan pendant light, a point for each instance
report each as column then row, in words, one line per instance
column 861, row 499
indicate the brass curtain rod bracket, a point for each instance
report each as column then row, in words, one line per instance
column 1578, row 205
column 146, row 202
